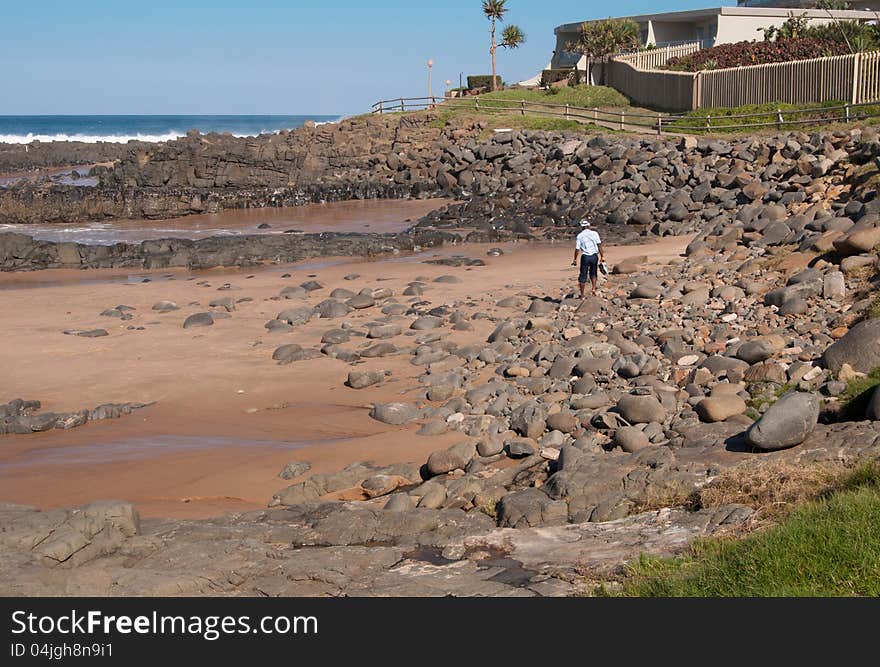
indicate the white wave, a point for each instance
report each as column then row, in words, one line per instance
column 89, row 138
column 171, row 135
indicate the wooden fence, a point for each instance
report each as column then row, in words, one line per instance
column 633, row 121
column 799, row 82
column 656, row 58
column 854, row 78
column 659, row 89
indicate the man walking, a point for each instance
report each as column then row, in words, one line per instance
column 589, row 246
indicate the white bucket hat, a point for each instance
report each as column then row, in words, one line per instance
column 585, row 223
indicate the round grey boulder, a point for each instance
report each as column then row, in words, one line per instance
column 287, row 354
column 165, row 306
column 447, row 460
column 426, row 323
column 361, row 301
column 364, row 379
column 198, row 320
column 860, row 348
column 295, row 316
column 786, row 423
column 395, row 414
column 631, row 439
column 755, row 351
column 641, row 409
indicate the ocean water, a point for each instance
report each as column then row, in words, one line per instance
column 120, row 129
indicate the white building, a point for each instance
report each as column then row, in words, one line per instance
column 719, row 25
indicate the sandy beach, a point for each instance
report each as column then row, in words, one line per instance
column 226, row 417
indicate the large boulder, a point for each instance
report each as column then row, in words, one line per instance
column 631, row 439
column 198, row 320
column 395, row 414
column 786, row 423
column 719, row 408
column 860, row 348
column 641, row 409
column 873, row 411
column 287, row 354
column 455, row 458
column 364, row 379
column 295, row 316
column 529, row 420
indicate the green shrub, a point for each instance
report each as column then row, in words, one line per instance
column 483, row 81
column 551, row 76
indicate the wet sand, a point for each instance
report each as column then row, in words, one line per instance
column 227, row 418
column 367, row 216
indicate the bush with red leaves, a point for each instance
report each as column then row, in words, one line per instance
column 742, row 54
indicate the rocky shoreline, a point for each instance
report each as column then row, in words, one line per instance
column 508, row 183
column 586, row 431
column 22, row 253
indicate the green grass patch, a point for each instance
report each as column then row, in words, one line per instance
column 494, row 121
column 501, row 108
column 854, row 401
column 828, row 547
column 765, row 394
column 576, row 96
column 721, row 119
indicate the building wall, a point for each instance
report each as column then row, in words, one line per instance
column 747, row 28
column 805, row 4
column 673, row 31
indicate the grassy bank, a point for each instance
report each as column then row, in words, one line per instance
column 577, row 96
column 726, row 119
column 503, row 116
column 497, row 120
column 826, row 547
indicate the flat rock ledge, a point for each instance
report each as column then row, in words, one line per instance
column 105, row 549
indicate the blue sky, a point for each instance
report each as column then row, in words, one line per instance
column 263, row 56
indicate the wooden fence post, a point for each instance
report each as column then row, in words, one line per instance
column 779, row 118
column 708, row 122
column 659, row 125
column 622, row 118
column 596, row 114
column 381, row 110
column 522, row 107
column 566, row 112
column 402, row 107
column 857, row 67
column 846, row 107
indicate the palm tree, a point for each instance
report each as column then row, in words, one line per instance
column 602, row 39
column 511, row 38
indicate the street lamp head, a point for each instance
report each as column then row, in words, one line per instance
column 430, row 63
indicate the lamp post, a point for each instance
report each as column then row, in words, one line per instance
column 430, row 68
column 448, row 83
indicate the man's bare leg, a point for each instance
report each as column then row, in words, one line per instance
column 593, row 281
column 582, row 287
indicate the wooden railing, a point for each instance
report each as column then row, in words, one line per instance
column 641, row 121
column 402, row 104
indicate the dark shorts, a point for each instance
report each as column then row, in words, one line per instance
column 589, row 268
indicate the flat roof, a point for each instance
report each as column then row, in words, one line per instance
column 769, row 12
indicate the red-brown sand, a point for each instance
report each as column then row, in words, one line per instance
column 227, row 418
